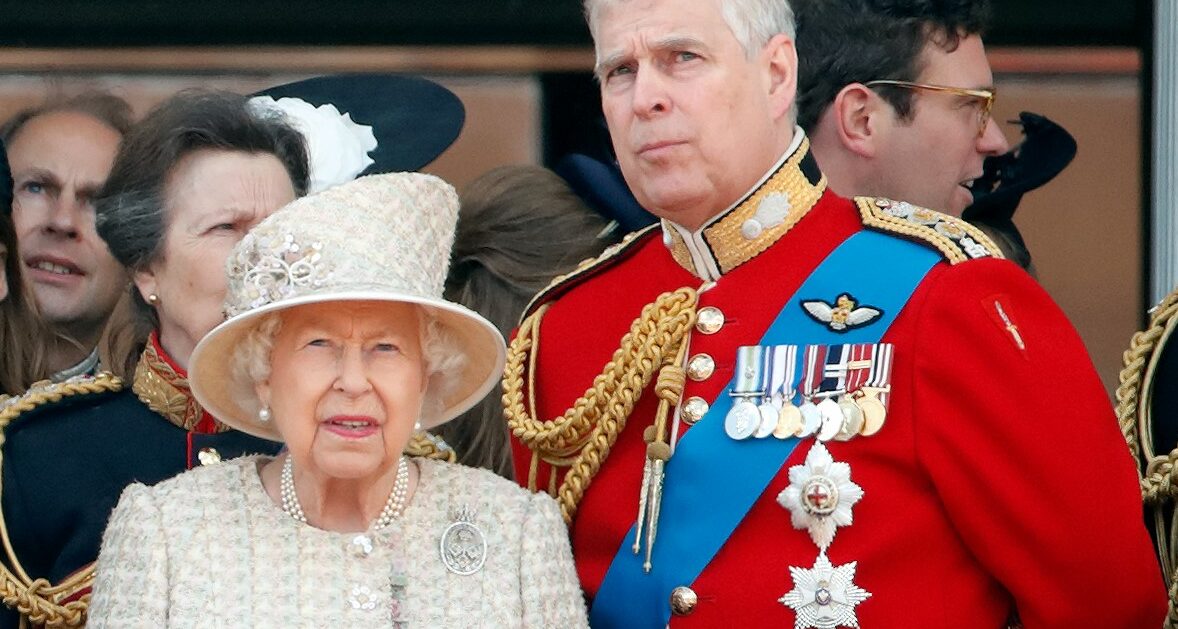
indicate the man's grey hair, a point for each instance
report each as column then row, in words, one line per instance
column 753, row 22
column 440, row 349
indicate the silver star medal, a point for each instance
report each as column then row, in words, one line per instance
column 820, row 495
column 825, row 596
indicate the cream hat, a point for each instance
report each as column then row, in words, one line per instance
column 378, row 238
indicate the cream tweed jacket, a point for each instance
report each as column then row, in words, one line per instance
column 210, row 549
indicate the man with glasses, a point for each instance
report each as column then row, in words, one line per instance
column 896, row 97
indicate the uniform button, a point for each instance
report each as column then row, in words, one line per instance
column 700, row 367
column 208, row 456
column 683, row 600
column 709, row 320
column 694, row 409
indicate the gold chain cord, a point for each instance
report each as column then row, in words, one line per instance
column 35, row 598
column 1159, row 485
column 581, row 438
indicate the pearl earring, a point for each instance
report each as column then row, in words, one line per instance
column 264, row 414
column 153, row 299
column 417, row 426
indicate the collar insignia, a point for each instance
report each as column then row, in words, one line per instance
column 844, row 314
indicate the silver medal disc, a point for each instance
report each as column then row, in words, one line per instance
column 832, row 419
column 811, row 419
column 768, row 420
column 743, row 420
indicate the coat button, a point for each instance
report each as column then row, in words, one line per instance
column 693, row 410
column 208, row 456
column 700, row 367
column 709, row 320
column 683, row 600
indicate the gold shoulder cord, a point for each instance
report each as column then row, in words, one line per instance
column 37, row 599
column 426, row 445
column 581, row 438
column 1159, row 485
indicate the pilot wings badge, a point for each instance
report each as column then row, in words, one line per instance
column 843, row 315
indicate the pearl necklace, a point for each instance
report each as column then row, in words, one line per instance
column 393, row 508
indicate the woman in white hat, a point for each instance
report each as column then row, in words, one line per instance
column 339, row 344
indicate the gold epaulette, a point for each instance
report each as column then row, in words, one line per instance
column 427, row 445
column 956, row 239
column 38, row 600
column 46, row 392
column 589, row 267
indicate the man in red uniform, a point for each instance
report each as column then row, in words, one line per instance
column 780, row 405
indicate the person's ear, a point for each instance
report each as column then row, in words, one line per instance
column 859, row 114
column 146, row 284
column 781, row 59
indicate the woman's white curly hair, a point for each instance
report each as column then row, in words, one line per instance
column 441, row 353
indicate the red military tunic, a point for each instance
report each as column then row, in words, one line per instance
column 999, row 482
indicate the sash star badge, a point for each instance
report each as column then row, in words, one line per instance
column 820, row 495
column 825, row 596
column 843, row 315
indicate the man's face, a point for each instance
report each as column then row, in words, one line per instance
column 59, row 161
column 694, row 122
column 931, row 159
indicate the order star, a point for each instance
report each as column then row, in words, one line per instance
column 820, row 495
column 825, row 596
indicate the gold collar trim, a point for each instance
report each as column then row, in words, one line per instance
column 165, row 390
column 754, row 223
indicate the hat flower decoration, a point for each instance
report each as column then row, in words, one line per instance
column 363, row 124
column 338, row 147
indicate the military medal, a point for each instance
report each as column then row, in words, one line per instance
column 813, row 362
column 832, row 417
column 766, row 408
column 858, row 366
column 789, row 419
column 852, row 419
column 832, row 387
column 873, row 394
column 743, row 420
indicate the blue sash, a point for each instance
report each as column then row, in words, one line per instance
column 703, row 502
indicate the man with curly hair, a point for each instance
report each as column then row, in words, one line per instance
column 896, row 97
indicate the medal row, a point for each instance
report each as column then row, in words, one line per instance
column 843, row 391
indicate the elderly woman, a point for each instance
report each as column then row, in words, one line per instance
column 339, row 344
column 187, row 184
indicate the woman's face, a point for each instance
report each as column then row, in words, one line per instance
column 346, row 386
column 212, row 198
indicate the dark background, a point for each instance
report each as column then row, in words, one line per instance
column 74, row 23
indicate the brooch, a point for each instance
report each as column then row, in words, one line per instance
column 463, row 546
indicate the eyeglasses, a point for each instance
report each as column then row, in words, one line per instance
column 985, row 96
